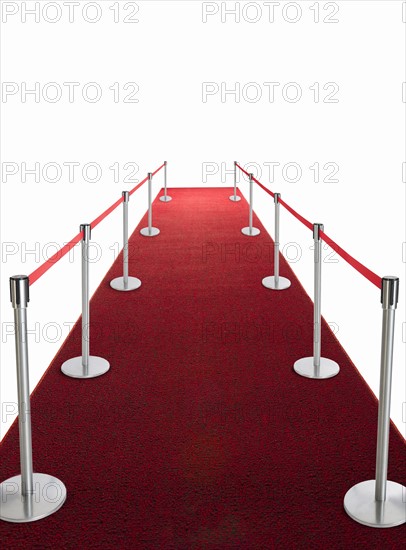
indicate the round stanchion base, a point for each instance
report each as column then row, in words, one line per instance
column 361, row 506
column 147, row 232
column 165, row 199
column 49, row 495
column 283, row 283
column 327, row 369
column 132, row 284
column 251, row 232
column 75, row 369
column 235, row 198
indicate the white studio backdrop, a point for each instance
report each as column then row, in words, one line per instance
column 306, row 95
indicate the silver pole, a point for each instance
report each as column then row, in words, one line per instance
column 165, row 197
column 317, row 227
column 24, row 498
column 125, row 282
column 19, row 290
column 85, row 297
column 276, row 248
column 234, row 197
column 150, row 231
column 275, row 282
column 235, row 180
column 251, row 200
column 149, row 202
column 389, row 300
column 165, row 180
column 85, row 366
column 126, row 197
column 250, row 230
column 379, row 502
column 317, row 367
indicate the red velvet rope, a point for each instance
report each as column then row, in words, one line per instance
column 367, row 273
column 134, row 189
column 263, row 187
column 145, row 179
column 296, row 214
column 242, row 169
column 157, row 170
column 106, row 213
column 256, row 181
column 35, row 275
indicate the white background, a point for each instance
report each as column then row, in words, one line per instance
column 169, row 53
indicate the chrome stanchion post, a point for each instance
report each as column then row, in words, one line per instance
column 317, row 367
column 149, row 231
column 379, row 502
column 276, row 282
column 250, row 230
column 126, row 197
column 125, row 282
column 29, row 496
column 235, row 197
column 165, row 197
column 86, row 366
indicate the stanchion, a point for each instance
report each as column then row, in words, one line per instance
column 149, row 231
column 125, row 282
column 276, row 282
column 379, row 502
column 165, row 197
column 29, row 496
column 317, row 367
column 250, row 231
column 86, row 366
column 235, row 197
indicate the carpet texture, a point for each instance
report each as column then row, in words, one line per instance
column 201, row 435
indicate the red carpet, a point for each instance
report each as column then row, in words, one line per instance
column 201, row 435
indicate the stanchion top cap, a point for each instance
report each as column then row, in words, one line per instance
column 317, row 227
column 87, row 230
column 19, row 290
column 389, row 291
column 150, row 175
